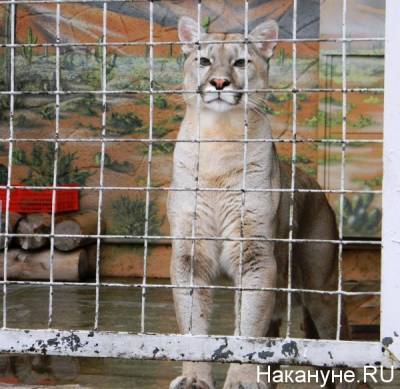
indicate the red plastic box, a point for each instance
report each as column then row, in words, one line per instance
column 39, row 201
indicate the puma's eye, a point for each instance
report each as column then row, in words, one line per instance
column 204, row 61
column 240, row 63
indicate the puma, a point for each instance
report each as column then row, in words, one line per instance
column 219, row 165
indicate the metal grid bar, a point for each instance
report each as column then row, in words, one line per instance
column 184, row 189
column 199, row 346
column 199, row 238
column 56, row 152
column 188, row 189
column 197, row 169
column 190, row 287
column 292, row 167
column 181, row 43
column 148, row 179
column 102, row 159
column 10, row 153
column 342, row 168
column 244, row 168
column 191, row 91
column 170, row 140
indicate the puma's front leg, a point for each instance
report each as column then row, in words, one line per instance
column 193, row 308
column 253, row 309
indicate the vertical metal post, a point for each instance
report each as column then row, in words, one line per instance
column 342, row 166
column 197, row 140
column 102, row 158
column 55, row 167
column 149, row 158
column 245, row 146
column 293, row 165
column 390, row 307
column 10, row 155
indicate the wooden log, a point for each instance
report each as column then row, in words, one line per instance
column 36, row 223
column 24, row 265
column 92, row 256
column 13, row 220
column 82, row 223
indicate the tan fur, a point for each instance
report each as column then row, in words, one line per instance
column 266, row 214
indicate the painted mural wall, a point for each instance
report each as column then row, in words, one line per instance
column 127, row 113
column 365, row 69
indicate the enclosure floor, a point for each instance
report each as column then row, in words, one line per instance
column 74, row 308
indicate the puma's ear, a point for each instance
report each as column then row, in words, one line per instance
column 266, row 30
column 188, row 32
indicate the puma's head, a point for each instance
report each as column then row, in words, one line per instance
column 222, row 66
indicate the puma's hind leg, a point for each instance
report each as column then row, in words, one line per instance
column 319, row 265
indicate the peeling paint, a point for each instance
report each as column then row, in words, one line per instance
column 219, row 354
column 198, row 348
column 265, row 354
column 250, row 355
column 71, row 342
column 290, row 349
column 271, row 343
column 387, row 341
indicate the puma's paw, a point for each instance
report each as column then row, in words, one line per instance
column 245, row 385
column 353, row 385
column 189, row 382
column 243, row 377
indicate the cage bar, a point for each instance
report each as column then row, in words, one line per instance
column 195, row 348
column 149, row 158
column 390, row 282
column 56, row 152
column 102, row 159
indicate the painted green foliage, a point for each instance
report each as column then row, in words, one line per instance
column 125, row 123
column 128, row 217
column 28, row 50
column 109, row 163
column 40, row 166
column 360, row 217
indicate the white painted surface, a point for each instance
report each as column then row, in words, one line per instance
column 390, row 306
column 194, row 348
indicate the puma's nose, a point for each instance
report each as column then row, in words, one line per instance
column 219, row 83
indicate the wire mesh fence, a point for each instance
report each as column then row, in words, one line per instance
column 242, row 347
